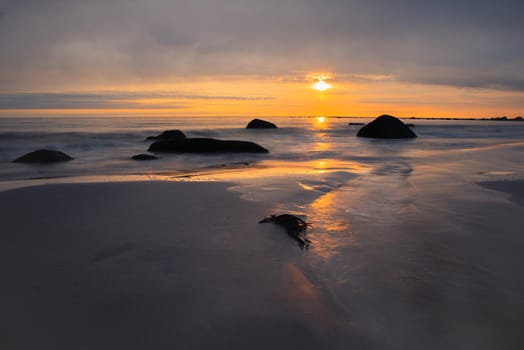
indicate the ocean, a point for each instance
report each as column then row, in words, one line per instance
column 103, row 146
column 416, row 239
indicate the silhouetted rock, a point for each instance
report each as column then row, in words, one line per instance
column 206, row 145
column 168, row 135
column 260, row 124
column 386, row 127
column 144, row 156
column 43, row 156
column 356, row 123
column 519, row 118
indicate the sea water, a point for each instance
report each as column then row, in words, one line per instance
column 408, row 240
column 104, row 145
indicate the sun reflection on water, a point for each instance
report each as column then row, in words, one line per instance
column 331, row 228
column 320, row 123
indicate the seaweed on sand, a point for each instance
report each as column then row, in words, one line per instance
column 295, row 227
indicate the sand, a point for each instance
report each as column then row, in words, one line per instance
column 163, row 265
column 154, row 265
column 514, row 188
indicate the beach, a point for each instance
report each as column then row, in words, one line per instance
column 198, row 174
column 151, row 264
column 415, row 244
column 160, row 264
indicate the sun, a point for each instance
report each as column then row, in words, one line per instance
column 321, row 85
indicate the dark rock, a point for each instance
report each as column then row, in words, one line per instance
column 356, row 123
column 386, row 127
column 260, row 124
column 168, row 135
column 144, row 156
column 206, row 145
column 43, row 156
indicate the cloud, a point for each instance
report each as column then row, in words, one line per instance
column 106, row 100
column 76, row 43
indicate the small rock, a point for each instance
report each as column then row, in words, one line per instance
column 43, row 156
column 260, row 124
column 144, row 156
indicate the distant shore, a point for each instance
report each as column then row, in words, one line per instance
column 516, row 119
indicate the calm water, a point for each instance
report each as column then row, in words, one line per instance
column 103, row 146
column 406, row 239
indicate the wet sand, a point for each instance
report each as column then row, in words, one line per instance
column 186, row 265
column 154, row 265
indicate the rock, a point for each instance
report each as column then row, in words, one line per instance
column 168, row 135
column 43, row 156
column 206, row 145
column 144, row 156
column 386, row 127
column 260, row 124
column 356, row 124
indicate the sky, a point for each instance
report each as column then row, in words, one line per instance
column 448, row 58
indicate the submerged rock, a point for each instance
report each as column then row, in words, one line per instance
column 294, row 226
column 386, row 127
column 144, row 156
column 43, row 156
column 168, row 135
column 260, row 124
column 206, row 145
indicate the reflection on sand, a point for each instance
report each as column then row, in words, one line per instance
column 331, row 230
column 306, row 299
column 272, row 169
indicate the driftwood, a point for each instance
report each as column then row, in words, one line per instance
column 295, row 227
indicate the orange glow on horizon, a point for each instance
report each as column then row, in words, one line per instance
column 259, row 96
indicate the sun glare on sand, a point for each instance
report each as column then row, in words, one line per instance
column 321, row 85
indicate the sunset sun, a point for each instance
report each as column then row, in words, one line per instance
column 321, row 85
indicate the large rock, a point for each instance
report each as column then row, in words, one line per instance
column 205, row 145
column 260, row 124
column 144, row 156
column 386, row 127
column 43, row 156
column 168, row 135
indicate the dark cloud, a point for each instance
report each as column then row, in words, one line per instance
column 76, row 43
column 103, row 100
